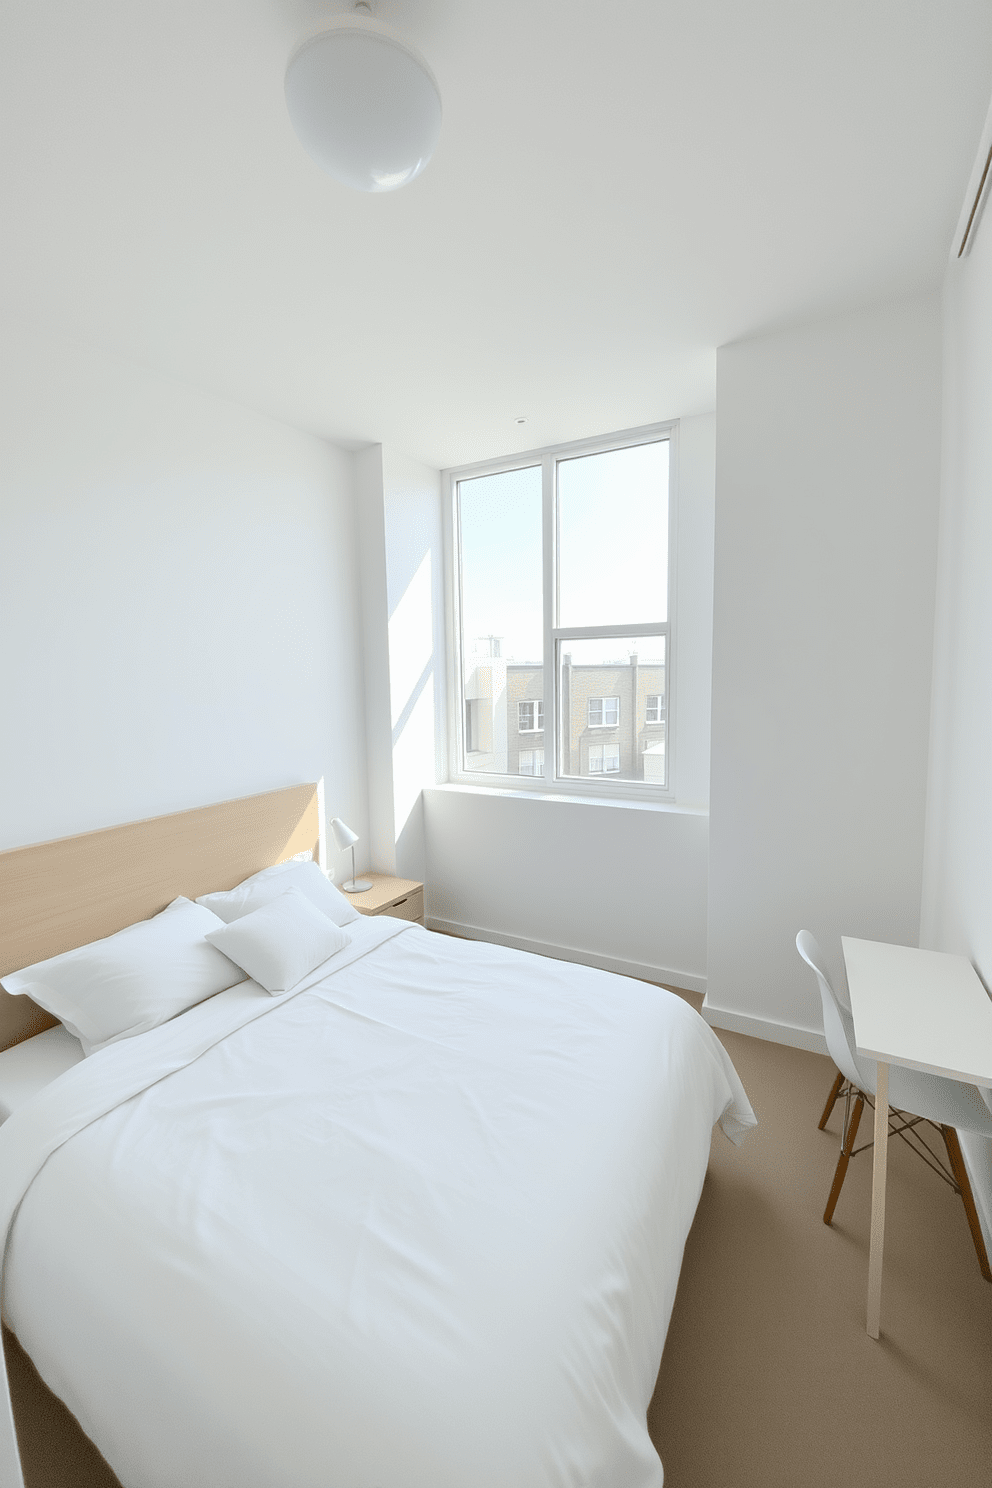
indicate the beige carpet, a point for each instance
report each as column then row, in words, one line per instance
column 768, row 1379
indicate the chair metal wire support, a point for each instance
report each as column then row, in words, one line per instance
column 901, row 1124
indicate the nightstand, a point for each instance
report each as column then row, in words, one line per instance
column 403, row 898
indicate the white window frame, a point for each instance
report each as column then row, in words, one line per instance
column 532, row 774
column 604, row 787
column 657, row 714
column 604, row 722
column 531, row 728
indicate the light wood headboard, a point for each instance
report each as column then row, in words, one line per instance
column 59, row 895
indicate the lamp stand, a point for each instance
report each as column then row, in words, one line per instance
column 356, row 885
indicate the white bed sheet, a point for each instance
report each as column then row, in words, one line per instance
column 417, row 1227
column 31, row 1065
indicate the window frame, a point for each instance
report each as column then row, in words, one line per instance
column 603, row 787
column 659, row 709
column 534, row 728
column 603, row 721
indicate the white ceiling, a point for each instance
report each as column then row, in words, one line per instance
column 621, row 186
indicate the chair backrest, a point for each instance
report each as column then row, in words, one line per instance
column 838, row 1024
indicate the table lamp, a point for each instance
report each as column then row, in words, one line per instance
column 345, row 837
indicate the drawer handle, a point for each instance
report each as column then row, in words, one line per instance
column 398, row 902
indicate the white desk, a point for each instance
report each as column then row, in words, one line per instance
column 928, row 1011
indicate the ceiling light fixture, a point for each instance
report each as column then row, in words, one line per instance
column 364, row 103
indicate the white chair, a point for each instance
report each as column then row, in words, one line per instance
column 915, row 1099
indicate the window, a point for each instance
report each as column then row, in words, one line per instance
column 562, row 596
column 604, row 712
column 604, row 759
column 530, row 717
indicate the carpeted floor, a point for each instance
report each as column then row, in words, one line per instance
column 769, row 1379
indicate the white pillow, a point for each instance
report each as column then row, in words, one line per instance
column 132, row 981
column 281, row 943
column 263, row 887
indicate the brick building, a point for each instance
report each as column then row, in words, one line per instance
column 616, row 720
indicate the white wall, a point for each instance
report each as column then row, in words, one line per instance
column 958, row 883
column 178, row 606
column 402, row 565
column 378, row 849
column 417, row 672
column 621, row 886
column 957, row 900
column 828, row 448
column 614, row 886
column 693, row 652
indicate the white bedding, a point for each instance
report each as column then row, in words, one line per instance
column 29, row 1066
column 419, row 1226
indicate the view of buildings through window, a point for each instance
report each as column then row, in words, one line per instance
column 607, row 707
column 622, row 734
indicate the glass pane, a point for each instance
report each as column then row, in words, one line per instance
column 613, row 537
column 502, row 622
column 613, row 709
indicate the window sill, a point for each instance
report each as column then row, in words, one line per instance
column 622, row 803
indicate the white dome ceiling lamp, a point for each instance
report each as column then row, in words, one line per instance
column 364, row 103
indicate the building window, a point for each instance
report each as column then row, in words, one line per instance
column 604, row 759
column 604, row 712
column 530, row 717
column 561, row 596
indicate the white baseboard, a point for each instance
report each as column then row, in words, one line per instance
column 765, row 1028
column 687, row 981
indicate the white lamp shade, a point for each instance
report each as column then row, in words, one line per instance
column 364, row 104
column 343, row 836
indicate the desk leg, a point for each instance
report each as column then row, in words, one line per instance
column 881, row 1153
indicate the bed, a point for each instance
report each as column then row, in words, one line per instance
column 413, row 1222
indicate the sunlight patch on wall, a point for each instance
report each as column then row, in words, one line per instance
column 413, row 756
column 411, row 641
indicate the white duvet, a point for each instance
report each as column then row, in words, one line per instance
column 419, row 1226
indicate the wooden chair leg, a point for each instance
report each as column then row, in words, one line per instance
column 967, row 1197
column 831, row 1100
column 847, row 1147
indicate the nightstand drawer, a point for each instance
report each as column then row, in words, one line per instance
column 410, row 907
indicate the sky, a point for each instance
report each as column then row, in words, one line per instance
column 613, row 552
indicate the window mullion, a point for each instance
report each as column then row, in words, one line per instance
column 461, row 742
column 550, row 770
